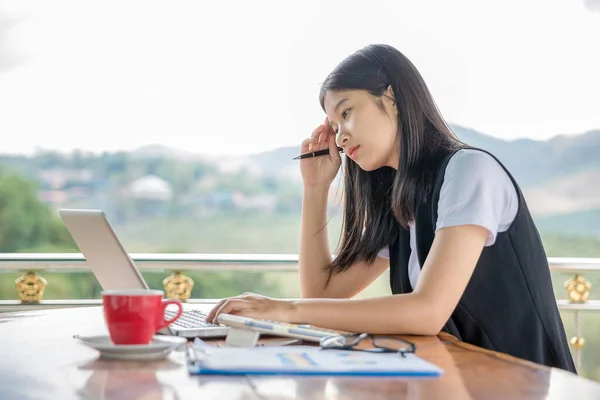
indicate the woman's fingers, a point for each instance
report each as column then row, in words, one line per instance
column 233, row 305
column 317, row 131
column 333, row 148
column 211, row 315
column 311, row 144
column 328, row 132
column 319, row 139
column 305, row 145
column 324, row 132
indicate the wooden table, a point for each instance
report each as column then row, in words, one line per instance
column 41, row 360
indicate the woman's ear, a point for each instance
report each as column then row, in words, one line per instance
column 390, row 93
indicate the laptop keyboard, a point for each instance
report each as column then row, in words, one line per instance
column 190, row 319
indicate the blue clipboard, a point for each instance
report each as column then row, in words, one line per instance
column 304, row 360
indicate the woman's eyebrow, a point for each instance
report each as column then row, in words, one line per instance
column 339, row 104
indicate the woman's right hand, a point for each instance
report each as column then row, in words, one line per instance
column 321, row 170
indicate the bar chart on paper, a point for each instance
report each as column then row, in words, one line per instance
column 308, row 360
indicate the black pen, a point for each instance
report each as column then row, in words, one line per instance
column 315, row 154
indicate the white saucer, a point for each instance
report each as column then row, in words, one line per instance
column 157, row 349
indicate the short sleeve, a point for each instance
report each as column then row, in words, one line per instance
column 477, row 191
column 384, row 252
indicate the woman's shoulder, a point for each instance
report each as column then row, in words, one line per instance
column 477, row 190
column 473, row 162
column 474, row 155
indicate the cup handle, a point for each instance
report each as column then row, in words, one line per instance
column 165, row 322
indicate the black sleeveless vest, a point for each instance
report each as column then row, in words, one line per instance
column 509, row 304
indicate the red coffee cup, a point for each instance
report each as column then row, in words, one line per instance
column 134, row 316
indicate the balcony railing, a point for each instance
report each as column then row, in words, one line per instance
column 29, row 288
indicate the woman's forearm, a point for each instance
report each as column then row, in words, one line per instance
column 408, row 314
column 314, row 253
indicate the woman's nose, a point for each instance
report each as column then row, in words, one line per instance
column 342, row 139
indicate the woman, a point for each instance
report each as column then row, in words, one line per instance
column 448, row 220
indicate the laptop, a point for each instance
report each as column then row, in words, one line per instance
column 115, row 270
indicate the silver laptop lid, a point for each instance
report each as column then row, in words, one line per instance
column 102, row 250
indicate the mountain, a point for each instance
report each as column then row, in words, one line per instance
column 278, row 162
column 534, row 162
column 558, row 176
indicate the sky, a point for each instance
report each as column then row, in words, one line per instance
column 241, row 77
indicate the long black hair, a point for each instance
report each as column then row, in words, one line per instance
column 376, row 202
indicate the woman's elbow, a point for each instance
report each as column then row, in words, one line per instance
column 432, row 327
column 437, row 316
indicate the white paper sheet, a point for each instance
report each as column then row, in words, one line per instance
column 308, row 360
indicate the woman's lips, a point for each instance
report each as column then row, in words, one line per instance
column 352, row 151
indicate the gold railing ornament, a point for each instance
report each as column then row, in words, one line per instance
column 577, row 342
column 31, row 287
column 178, row 286
column 578, row 289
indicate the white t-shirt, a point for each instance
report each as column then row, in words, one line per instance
column 476, row 191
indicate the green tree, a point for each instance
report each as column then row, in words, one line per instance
column 25, row 222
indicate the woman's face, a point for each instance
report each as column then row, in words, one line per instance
column 367, row 133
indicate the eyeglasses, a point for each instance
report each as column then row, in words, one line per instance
column 381, row 344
